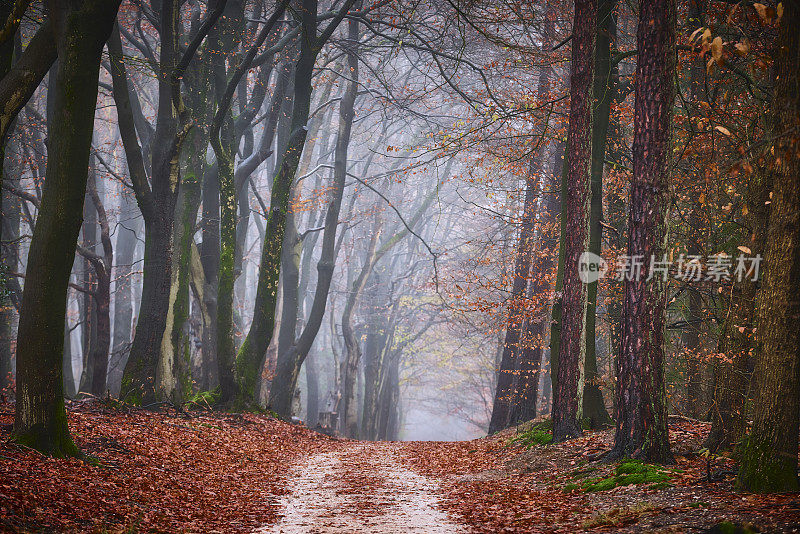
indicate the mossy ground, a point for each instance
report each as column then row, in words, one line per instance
column 538, row 434
column 627, row 473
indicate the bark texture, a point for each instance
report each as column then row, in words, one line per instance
column 641, row 410
column 505, row 393
column 769, row 454
column 593, row 412
column 568, row 391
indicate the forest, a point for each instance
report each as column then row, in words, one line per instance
column 435, row 266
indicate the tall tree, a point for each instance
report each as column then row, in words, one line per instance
column 568, row 391
column 641, row 408
column 690, row 337
column 97, row 359
column 593, row 409
column 769, row 454
column 530, row 367
column 157, row 197
column 505, row 393
column 127, row 237
column 250, row 357
column 80, row 29
column 88, row 278
column 10, row 290
column 225, row 142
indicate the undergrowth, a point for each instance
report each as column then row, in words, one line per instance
column 204, row 399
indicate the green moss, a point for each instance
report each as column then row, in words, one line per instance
column 629, row 473
column 52, row 439
column 204, row 399
column 538, row 434
column 764, row 470
column 546, row 425
column 247, row 370
column 532, row 437
column 631, row 467
column 570, row 487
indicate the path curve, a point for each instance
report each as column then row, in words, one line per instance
column 361, row 488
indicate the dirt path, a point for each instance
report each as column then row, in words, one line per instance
column 361, row 488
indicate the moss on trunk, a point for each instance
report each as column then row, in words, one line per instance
column 40, row 419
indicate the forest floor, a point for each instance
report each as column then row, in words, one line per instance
column 213, row 472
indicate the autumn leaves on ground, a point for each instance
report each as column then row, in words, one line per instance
column 212, row 472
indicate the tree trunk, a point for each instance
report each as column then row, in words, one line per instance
column 88, row 280
column 593, row 411
column 127, row 232
column 225, row 143
column 290, row 359
column 68, row 378
column 380, row 333
column 641, row 412
column 505, row 394
column 10, row 291
column 40, row 419
column 101, row 265
column 9, row 231
column 348, row 411
column 769, row 454
column 390, row 403
column 312, row 382
column 616, row 199
column 209, row 255
column 568, row 391
column 691, row 335
column 188, row 273
column 138, row 379
column 732, row 374
column 250, row 358
column 527, row 389
column 173, row 374
column 290, row 282
column 157, row 203
column 289, row 364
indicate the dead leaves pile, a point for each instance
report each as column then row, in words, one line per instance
column 200, row 473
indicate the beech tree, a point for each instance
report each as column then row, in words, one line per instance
column 80, row 30
column 251, row 355
column 157, row 196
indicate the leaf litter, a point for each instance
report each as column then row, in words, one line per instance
column 215, row 472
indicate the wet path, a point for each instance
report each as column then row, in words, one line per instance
column 361, row 488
